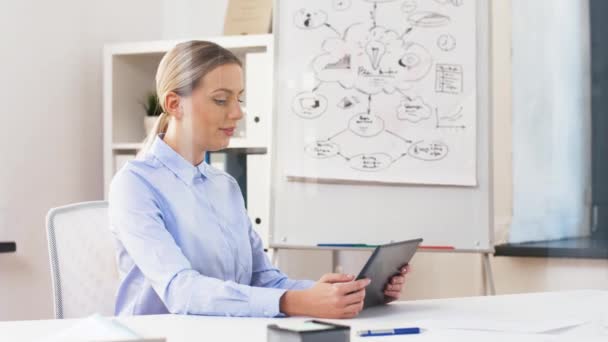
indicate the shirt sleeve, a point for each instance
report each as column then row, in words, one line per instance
column 136, row 219
column 264, row 274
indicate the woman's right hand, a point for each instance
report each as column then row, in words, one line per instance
column 333, row 296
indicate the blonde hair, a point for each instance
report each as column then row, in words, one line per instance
column 180, row 71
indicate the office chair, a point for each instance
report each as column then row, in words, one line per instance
column 83, row 260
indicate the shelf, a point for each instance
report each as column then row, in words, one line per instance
column 235, row 144
column 126, row 146
column 160, row 47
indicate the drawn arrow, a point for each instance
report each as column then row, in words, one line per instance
column 343, row 156
column 333, row 29
column 337, row 134
column 401, row 156
column 407, row 141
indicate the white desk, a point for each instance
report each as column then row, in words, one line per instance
column 588, row 306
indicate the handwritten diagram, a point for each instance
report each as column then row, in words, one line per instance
column 383, row 90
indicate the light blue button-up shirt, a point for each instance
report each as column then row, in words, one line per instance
column 185, row 243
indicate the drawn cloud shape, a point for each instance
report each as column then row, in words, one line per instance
column 372, row 60
column 308, row 105
column 370, row 162
column 366, row 125
column 309, row 19
column 429, row 151
column 414, row 110
column 428, row 19
column 322, row 149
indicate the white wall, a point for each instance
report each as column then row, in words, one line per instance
column 184, row 19
column 501, row 108
column 50, row 146
column 51, row 113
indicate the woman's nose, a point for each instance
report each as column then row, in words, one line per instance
column 237, row 113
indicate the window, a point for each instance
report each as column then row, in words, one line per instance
column 560, row 129
column 551, row 120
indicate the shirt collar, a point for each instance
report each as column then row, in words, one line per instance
column 182, row 168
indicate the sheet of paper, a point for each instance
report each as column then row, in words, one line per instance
column 95, row 328
column 514, row 326
column 379, row 90
column 474, row 336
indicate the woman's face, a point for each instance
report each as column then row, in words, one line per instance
column 215, row 107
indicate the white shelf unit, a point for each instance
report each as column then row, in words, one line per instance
column 128, row 76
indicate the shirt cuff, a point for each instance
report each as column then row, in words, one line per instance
column 265, row 302
column 302, row 284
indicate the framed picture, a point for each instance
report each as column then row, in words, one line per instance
column 248, row 17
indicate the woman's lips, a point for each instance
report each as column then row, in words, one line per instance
column 228, row 131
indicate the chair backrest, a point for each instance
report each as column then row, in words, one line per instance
column 83, row 260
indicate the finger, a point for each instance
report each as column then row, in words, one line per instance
column 354, row 308
column 336, row 278
column 353, row 286
column 406, row 269
column 398, row 280
column 395, row 287
column 354, row 297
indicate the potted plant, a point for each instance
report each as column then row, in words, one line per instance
column 153, row 111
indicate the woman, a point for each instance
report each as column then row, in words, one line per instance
column 185, row 243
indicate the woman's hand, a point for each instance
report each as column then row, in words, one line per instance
column 393, row 288
column 333, row 296
column 332, row 278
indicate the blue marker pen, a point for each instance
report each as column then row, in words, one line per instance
column 389, row 332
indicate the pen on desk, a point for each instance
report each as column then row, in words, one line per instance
column 389, row 332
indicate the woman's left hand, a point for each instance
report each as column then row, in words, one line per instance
column 393, row 289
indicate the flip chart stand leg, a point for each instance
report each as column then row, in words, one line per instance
column 335, row 261
column 489, row 288
column 275, row 257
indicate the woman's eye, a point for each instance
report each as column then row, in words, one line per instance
column 220, row 102
column 241, row 101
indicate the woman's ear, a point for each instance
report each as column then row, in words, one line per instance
column 173, row 105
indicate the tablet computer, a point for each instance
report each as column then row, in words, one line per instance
column 385, row 262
